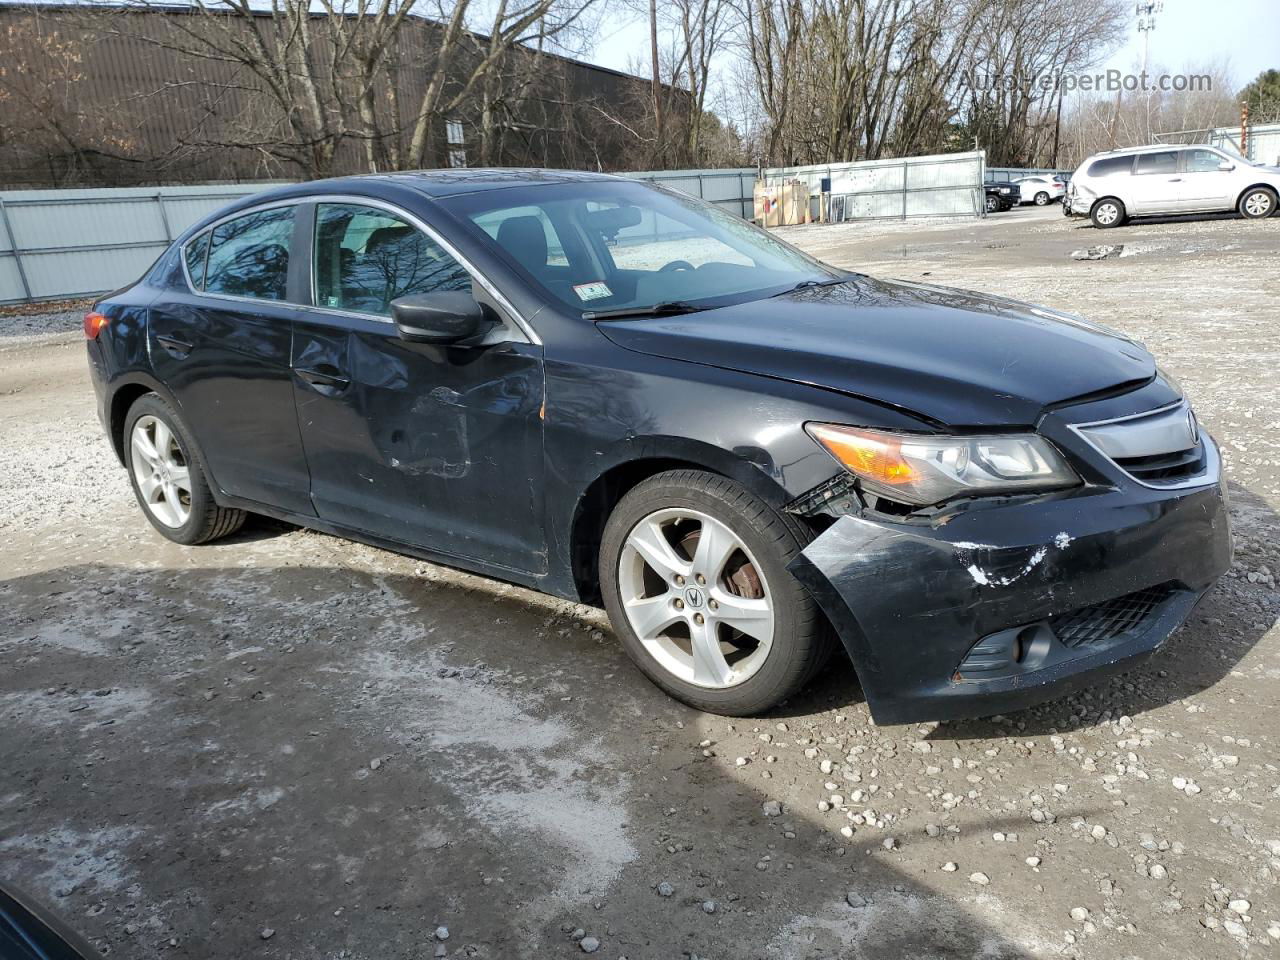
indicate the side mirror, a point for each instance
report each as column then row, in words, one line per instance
column 442, row 316
column 1226, row 166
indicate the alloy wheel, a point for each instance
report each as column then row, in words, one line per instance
column 160, row 471
column 1258, row 204
column 1108, row 213
column 696, row 598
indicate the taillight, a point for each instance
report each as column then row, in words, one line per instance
column 93, row 324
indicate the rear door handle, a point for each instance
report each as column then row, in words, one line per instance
column 175, row 345
column 323, row 380
column 1175, row 179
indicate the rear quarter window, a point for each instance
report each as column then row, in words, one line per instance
column 1109, row 166
column 197, row 253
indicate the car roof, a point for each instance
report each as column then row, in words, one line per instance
column 447, row 183
column 1153, row 148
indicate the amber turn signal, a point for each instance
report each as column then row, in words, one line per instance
column 871, row 456
column 93, row 324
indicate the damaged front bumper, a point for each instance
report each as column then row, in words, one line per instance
column 1006, row 606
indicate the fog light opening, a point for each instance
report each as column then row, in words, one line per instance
column 1031, row 645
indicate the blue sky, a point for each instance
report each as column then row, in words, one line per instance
column 1243, row 33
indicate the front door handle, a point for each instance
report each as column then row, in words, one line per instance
column 175, row 345
column 325, row 379
column 1175, row 179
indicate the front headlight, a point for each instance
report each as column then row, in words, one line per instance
column 920, row 470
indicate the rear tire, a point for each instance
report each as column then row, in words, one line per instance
column 1107, row 212
column 672, row 603
column 1042, row 198
column 168, row 476
column 1258, row 203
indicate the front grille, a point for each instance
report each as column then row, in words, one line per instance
column 1162, row 448
column 1103, row 622
column 1164, row 467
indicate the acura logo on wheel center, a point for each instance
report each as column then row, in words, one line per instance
column 693, row 596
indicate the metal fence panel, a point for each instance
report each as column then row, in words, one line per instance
column 68, row 243
column 10, row 280
column 1262, row 145
column 75, row 273
column 85, row 223
column 944, row 185
column 730, row 189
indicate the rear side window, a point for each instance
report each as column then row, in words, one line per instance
column 1108, row 166
column 366, row 257
column 197, row 252
column 1157, row 163
column 249, row 256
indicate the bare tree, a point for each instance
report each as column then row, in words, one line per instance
column 455, row 76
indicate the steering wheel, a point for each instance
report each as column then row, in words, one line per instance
column 676, row 265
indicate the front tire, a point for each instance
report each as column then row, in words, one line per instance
column 993, row 204
column 1106, row 213
column 168, row 476
column 1258, row 203
column 693, row 573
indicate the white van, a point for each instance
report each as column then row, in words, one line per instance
column 1111, row 187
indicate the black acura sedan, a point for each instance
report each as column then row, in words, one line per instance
column 613, row 392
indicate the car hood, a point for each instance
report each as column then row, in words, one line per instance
column 951, row 356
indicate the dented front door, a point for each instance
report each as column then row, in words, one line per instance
column 435, row 446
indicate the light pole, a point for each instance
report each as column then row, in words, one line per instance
column 1146, row 13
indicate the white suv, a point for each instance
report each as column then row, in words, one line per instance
column 1109, row 188
column 1040, row 190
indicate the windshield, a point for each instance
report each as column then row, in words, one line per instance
column 613, row 245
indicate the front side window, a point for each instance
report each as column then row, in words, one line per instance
column 366, row 257
column 1203, row 161
column 1157, row 163
column 619, row 245
column 249, row 256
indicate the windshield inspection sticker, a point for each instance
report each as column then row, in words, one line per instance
column 592, row 291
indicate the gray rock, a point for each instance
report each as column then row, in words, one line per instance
column 665, row 889
column 589, row 944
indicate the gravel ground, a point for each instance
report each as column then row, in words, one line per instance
column 286, row 745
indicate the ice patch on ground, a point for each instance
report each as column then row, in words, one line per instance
column 919, row 926
column 529, row 788
column 63, row 860
column 83, row 710
column 248, row 802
